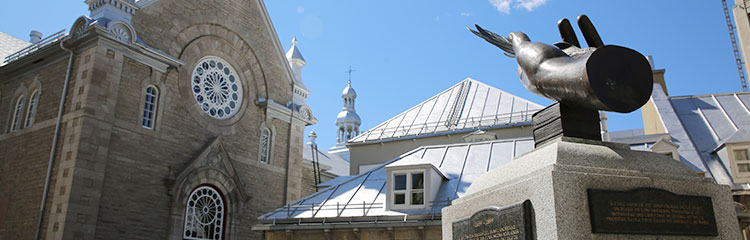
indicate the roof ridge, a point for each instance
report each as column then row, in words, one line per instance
column 449, row 112
column 407, row 110
column 706, row 95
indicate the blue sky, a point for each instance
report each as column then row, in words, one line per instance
column 403, row 52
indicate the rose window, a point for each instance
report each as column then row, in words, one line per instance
column 204, row 214
column 216, row 88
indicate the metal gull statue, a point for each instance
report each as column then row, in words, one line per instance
column 599, row 77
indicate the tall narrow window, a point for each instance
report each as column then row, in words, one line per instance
column 265, row 145
column 204, row 214
column 31, row 111
column 149, row 107
column 17, row 114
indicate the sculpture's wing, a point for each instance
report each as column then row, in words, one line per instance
column 494, row 39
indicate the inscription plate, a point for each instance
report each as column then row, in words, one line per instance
column 508, row 223
column 651, row 211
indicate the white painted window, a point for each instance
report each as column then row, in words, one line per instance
column 265, row 145
column 408, row 188
column 17, row 114
column 149, row 107
column 31, row 110
column 742, row 161
column 216, row 88
column 205, row 214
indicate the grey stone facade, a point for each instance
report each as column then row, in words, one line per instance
column 112, row 178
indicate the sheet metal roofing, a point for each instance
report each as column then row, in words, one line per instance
column 470, row 104
column 364, row 195
column 10, row 45
column 337, row 165
column 705, row 122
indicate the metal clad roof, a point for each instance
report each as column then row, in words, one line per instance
column 10, row 45
column 338, row 165
column 669, row 116
column 735, row 109
column 639, row 139
column 691, row 116
column 466, row 105
column 716, row 116
column 710, row 121
column 364, row 194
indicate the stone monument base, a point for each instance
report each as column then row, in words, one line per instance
column 571, row 183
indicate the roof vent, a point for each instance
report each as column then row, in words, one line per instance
column 35, row 36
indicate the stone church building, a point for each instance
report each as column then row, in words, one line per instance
column 150, row 119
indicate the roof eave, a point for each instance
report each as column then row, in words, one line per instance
column 441, row 133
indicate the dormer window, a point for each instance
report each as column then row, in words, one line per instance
column 412, row 184
column 408, row 188
column 739, row 157
column 742, row 159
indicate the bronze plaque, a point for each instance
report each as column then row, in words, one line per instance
column 512, row 222
column 651, row 211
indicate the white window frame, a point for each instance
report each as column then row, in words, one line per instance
column 266, row 141
column 31, row 109
column 15, row 124
column 408, row 191
column 145, row 117
column 736, row 162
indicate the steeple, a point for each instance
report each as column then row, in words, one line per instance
column 297, row 62
column 348, row 121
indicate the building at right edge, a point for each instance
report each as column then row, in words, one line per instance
column 709, row 133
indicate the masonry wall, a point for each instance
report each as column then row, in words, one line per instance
column 308, row 179
column 112, row 178
column 24, row 154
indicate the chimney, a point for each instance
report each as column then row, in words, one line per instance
column 35, row 36
column 658, row 75
column 603, row 126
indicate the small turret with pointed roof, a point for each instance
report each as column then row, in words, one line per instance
column 296, row 63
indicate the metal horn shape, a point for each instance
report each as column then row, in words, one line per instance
column 589, row 32
column 566, row 32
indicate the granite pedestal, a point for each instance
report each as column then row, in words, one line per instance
column 557, row 176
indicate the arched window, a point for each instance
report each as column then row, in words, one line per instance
column 17, row 114
column 265, row 145
column 31, row 111
column 149, row 107
column 204, row 214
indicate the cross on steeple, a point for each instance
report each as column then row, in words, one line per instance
column 350, row 73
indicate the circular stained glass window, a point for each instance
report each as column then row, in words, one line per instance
column 216, row 88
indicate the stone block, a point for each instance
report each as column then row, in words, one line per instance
column 555, row 177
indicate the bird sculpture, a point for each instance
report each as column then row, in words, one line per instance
column 599, row 77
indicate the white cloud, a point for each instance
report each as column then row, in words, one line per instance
column 300, row 9
column 466, row 14
column 529, row 5
column 503, row 6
